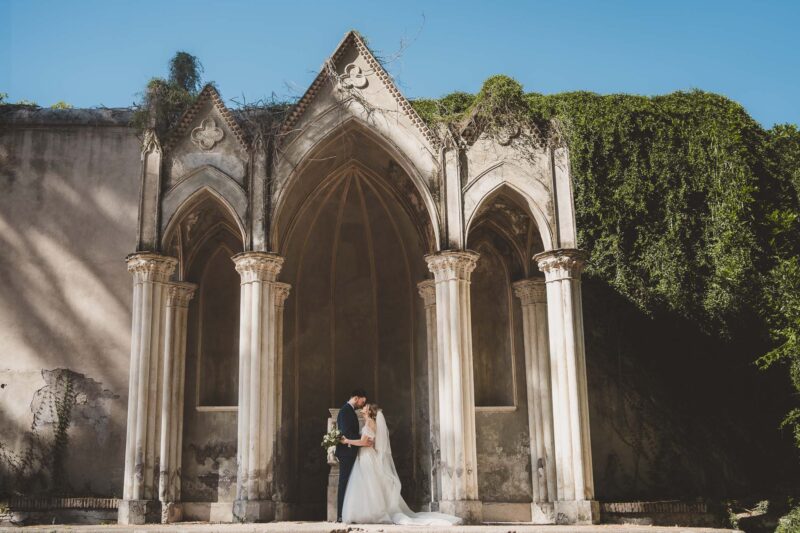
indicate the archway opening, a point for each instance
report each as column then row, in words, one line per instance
column 204, row 235
column 506, row 236
column 353, row 247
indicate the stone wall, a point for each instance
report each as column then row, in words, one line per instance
column 69, row 184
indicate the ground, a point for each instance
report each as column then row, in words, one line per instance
column 328, row 527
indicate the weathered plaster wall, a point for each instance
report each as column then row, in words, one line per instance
column 69, row 183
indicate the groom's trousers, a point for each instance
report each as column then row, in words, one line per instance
column 345, row 468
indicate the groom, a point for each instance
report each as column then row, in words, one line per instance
column 347, row 422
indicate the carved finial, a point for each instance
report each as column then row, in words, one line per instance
column 150, row 143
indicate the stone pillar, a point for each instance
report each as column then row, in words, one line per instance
column 575, row 484
column 282, row 507
column 427, row 290
column 456, row 391
column 151, row 273
column 531, row 293
column 174, row 369
column 258, row 383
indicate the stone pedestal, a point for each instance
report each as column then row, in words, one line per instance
column 455, row 388
column 532, row 295
column 575, row 484
column 151, row 273
column 261, row 299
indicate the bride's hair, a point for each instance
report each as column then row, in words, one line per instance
column 372, row 410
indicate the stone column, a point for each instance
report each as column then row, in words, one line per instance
column 282, row 507
column 258, row 383
column 427, row 290
column 531, row 293
column 456, row 391
column 174, row 369
column 575, row 484
column 150, row 275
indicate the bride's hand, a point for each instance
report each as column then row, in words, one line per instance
column 370, row 443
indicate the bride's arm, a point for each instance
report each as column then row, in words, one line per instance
column 364, row 440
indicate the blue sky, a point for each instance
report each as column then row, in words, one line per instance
column 102, row 52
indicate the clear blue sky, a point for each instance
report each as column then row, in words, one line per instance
column 102, row 52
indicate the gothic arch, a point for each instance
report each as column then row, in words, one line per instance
column 528, row 192
column 201, row 181
column 323, row 134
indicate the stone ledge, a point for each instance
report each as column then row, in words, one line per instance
column 47, row 504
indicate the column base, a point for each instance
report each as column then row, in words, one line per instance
column 138, row 512
column 171, row 512
column 253, row 510
column 470, row 511
column 283, row 511
column 543, row 513
column 577, row 512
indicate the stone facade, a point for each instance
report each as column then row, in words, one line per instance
column 271, row 273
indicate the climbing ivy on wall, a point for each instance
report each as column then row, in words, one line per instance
column 685, row 203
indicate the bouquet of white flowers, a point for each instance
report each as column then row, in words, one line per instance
column 331, row 439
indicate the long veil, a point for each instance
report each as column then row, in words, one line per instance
column 398, row 510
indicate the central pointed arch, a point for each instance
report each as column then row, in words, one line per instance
column 329, row 143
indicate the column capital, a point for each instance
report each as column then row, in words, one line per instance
column 180, row 293
column 149, row 266
column 530, row 291
column 565, row 263
column 452, row 264
column 281, row 293
column 258, row 266
column 427, row 289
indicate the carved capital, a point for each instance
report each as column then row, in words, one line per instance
column 566, row 263
column 452, row 264
column 147, row 266
column 258, row 266
column 427, row 289
column 179, row 294
column 281, row 292
column 530, row 291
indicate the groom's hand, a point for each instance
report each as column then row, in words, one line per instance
column 370, row 443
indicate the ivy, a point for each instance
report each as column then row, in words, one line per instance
column 684, row 202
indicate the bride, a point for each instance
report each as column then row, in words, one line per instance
column 373, row 491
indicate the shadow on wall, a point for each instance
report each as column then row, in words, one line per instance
column 68, row 414
column 676, row 413
column 68, row 208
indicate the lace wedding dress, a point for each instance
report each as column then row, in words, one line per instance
column 373, row 491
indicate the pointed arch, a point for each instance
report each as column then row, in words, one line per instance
column 528, row 193
column 313, row 141
column 206, row 180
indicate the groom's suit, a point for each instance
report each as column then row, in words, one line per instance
column 347, row 422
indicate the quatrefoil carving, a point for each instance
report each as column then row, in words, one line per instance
column 207, row 134
column 353, row 77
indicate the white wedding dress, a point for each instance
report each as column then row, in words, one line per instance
column 373, row 491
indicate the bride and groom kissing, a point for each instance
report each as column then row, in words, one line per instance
column 369, row 488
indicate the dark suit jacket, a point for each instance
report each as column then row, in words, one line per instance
column 347, row 422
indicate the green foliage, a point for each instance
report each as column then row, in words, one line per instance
column 61, row 104
column 185, row 71
column 685, row 203
column 3, row 98
column 790, row 523
column 164, row 101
